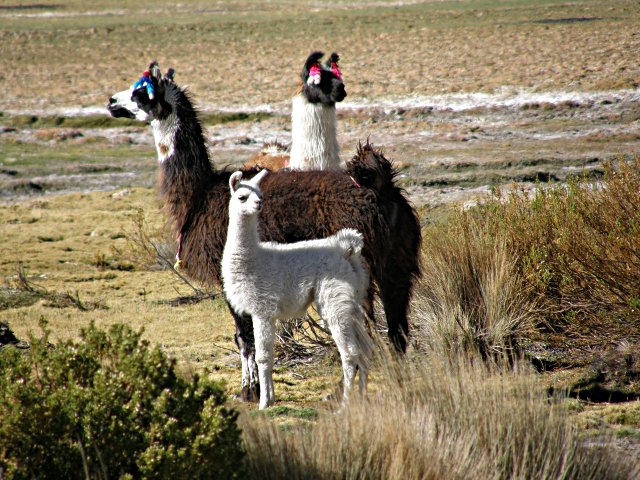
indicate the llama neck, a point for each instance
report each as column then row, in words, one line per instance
column 186, row 172
column 242, row 239
column 314, row 142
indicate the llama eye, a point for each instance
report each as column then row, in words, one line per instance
column 242, row 198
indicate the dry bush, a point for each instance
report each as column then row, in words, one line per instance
column 436, row 420
column 151, row 249
column 470, row 297
column 578, row 248
column 148, row 247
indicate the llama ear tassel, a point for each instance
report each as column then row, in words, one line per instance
column 311, row 72
column 234, row 181
column 332, row 64
column 315, row 75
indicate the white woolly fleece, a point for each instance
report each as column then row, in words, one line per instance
column 314, row 141
column 272, row 281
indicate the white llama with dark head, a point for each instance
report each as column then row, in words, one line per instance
column 314, row 138
column 272, row 281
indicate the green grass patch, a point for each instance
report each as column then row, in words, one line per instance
column 85, row 121
column 220, row 118
column 34, row 158
column 107, row 121
column 629, row 433
column 16, row 298
column 284, row 411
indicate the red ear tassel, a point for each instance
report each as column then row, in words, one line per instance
column 314, row 75
column 336, row 70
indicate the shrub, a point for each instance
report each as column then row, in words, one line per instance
column 111, row 406
column 578, row 247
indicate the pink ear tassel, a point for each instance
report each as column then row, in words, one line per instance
column 336, row 71
column 314, row 75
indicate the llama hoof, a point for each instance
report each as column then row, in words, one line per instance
column 251, row 393
column 336, row 395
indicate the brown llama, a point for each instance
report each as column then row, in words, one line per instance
column 314, row 139
column 299, row 205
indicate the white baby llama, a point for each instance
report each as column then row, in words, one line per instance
column 272, row 281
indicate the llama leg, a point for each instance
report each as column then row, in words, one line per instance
column 345, row 339
column 401, row 268
column 244, row 341
column 363, row 378
column 264, row 331
column 395, row 294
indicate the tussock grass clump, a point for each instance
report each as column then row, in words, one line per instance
column 470, row 297
column 578, row 248
column 111, row 406
column 436, row 420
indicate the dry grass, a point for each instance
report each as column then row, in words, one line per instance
column 68, row 244
column 470, row 297
column 437, row 420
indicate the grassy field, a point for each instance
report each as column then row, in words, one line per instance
column 74, row 184
column 246, row 54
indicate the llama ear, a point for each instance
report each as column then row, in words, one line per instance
column 234, row 181
column 313, row 59
column 332, row 64
column 171, row 73
column 311, row 64
column 258, row 178
column 154, row 70
column 333, row 58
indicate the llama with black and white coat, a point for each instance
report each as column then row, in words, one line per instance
column 314, row 137
column 271, row 281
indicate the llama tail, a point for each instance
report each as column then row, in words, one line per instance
column 399, row 265
column 350, row 241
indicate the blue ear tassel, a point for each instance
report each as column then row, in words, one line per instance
column 145, row 81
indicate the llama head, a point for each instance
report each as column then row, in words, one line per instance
column 322, row 83
column 145, row 99
column 246, row 196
